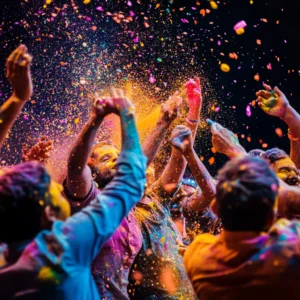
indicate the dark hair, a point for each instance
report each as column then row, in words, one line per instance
column 23, row 196
column 274, row 154
column 246, row 194
column 256, row 152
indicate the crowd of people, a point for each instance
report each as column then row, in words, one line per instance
column 112, row 229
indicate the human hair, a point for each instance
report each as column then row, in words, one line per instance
column 246, row 194
column 256, row 152
column 23, row 197
column 274, row 154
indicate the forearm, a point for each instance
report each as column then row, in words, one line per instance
column 202, row 177
column 153, row 142
column 130, row 137
column 82, row 148
column 9, row 112
column 292, row 119
column 173, row 172
column 295, row 153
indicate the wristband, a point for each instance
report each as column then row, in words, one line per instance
column 292, row 136
column 192, row 122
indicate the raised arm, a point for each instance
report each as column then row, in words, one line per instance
column 102, row 217
column 182, row 140
column 224, row 141
column 19, row 76
column 79, row 176
column 175, row 168
column 169, row 111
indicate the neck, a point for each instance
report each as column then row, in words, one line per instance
column 240, row 235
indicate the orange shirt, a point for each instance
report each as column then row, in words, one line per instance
column 247, row 265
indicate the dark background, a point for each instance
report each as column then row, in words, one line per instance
column 172, row 51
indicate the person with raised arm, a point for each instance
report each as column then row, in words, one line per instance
column 49, row 253
column 90, row 169
column 19, row 75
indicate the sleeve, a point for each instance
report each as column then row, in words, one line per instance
column 89, row 229
column 78, row 203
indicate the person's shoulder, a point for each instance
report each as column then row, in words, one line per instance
column 285, row 230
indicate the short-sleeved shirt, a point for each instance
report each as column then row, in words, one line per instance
column 158, row 270
column 61, row 258
column 243, row 266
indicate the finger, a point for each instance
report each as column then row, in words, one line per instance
column 267, row 87
column 26, row 62
column 196, row 91
column 278, row 92
column 114, row 93
column 121, row 93
column 176, row 94
column 198, row 82
column 10, row 61
column 18, row 59
column 264, row 94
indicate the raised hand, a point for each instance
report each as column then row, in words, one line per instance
column 18, row 73
column 272, row 102
column 116, row 104
column 194, row 94
column 224, row 141
column 39, row 152
column 170, row 108
column 181, row 138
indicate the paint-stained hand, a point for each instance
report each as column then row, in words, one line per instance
column 116, row 104
column 170, row 108
column 18, row 73
column 182, row 139
column 39, row 152
column 224, row 141
column 272, row 102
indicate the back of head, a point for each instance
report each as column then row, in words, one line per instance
column 246, row 194
column 23, row 197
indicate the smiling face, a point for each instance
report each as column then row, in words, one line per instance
column 286, row 170
column 103, row 164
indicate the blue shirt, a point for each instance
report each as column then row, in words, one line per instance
column 61, row 258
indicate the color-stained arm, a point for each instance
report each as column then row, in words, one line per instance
column 102, row 217
column 183, row 141
column 224, row 141
column 19, row 76
column 168, row 113
column 275, row 103
column 173, row 172
column 79, row 176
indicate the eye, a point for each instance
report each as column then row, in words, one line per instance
column 105, row 158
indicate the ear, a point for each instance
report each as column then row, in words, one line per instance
column 50, row 214
column 213, row 207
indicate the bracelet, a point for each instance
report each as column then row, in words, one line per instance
column 189, row 121
column 292, row 136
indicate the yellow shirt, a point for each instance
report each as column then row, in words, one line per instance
column 247, row 265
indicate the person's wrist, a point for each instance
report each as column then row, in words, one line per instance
column 163, row 122
column 286, row 110
column 188, row 151
column 19, row 98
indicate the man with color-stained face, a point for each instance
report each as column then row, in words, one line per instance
column 282, row 165
column 147, row 225
column 49, row 253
